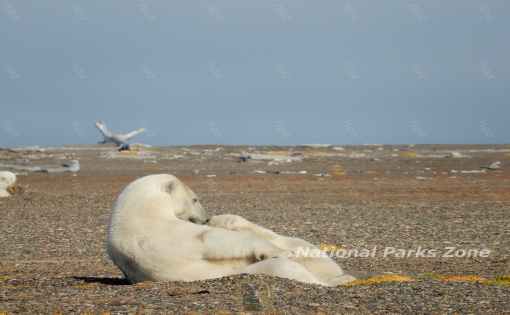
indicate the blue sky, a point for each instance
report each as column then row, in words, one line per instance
column 255, row 72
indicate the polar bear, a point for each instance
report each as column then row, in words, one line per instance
column 159, row 231
column 7, row 180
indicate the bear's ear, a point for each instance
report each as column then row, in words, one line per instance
column 169, row 188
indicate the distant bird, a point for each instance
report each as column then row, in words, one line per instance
column 117, row 138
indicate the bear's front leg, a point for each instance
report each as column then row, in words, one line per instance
column 229, row 222
column 221, row 244
column 234, row 222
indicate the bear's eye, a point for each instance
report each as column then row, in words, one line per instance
column 195, row 200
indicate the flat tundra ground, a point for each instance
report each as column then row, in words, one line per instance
column 425, row 229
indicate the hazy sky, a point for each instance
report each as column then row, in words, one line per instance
column 255, row 72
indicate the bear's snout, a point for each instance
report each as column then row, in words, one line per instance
column 196, row 220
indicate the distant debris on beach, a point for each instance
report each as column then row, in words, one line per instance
column 317, row 145
column 273, row 157
column 120, row 139
column 7, row 181
column 72, row 166
column 457, row 155
column 493, row 166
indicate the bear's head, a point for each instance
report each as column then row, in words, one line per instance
column 186, row 205
column 160, row 197
column 7, row 180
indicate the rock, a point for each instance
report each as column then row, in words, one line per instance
column 244, row 158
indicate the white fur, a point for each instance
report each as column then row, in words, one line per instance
column 7, row 179
column 151, row 238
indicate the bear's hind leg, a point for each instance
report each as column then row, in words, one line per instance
column 284, row 268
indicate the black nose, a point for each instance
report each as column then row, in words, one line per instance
column 207, row 221
column 198, row 221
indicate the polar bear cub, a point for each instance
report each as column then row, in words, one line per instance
column 7, row 180
column 159, row 231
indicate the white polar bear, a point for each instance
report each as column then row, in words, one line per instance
column 157, row 232
column 7, row 180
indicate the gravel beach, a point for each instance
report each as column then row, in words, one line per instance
column 433, row 222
